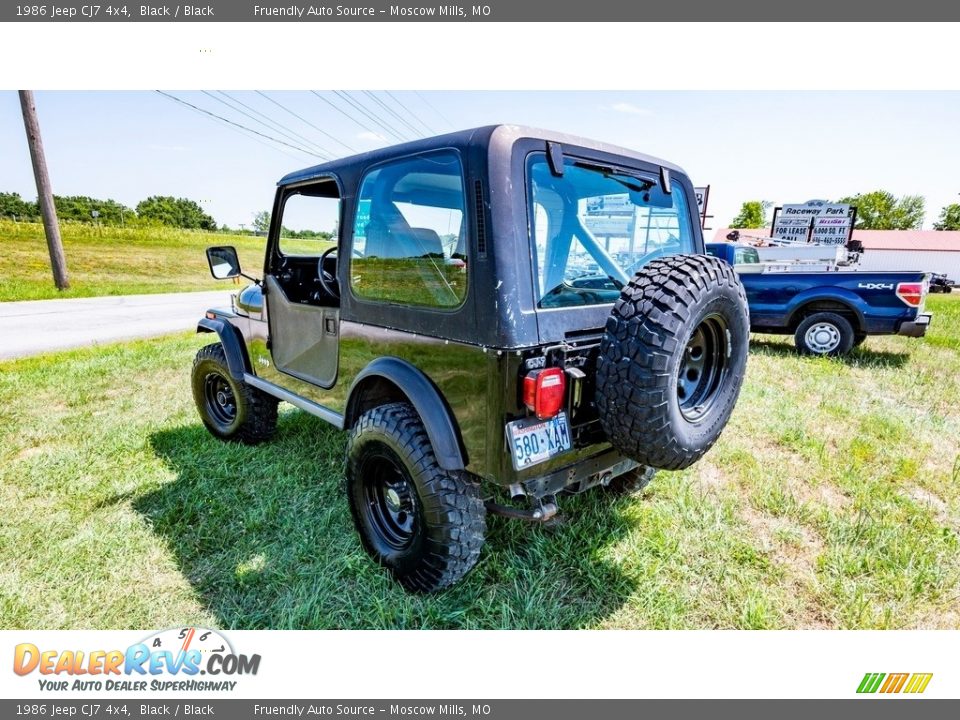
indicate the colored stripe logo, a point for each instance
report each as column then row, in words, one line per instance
column 913, row 683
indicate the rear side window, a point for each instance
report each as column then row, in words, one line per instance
column 409, row 233
column 594, row 227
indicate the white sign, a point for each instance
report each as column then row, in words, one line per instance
column 610, row 205
column 794, row 229
column 828, row 223
column 610, row 226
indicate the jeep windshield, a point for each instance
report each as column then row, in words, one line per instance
column 594, row 227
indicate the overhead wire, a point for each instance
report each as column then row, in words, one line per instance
column 234, row 124
column 304, row 120
column 412, row 114
column 395, row 114
column 267, row 122
column 363, row 110
column 347, row 115
column 435, row 109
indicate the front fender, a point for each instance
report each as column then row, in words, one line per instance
column 237, row 360
column 425, row 398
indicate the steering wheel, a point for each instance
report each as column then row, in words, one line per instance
column 327, row 279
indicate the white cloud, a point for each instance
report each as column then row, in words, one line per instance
column 630, row 109
column 370, row 136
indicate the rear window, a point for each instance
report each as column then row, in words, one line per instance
column 594, row 227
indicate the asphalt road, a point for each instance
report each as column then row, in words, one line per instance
column 36, row 326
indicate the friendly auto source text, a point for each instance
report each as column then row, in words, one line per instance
column 299, row 11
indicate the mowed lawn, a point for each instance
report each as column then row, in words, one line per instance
column 831, row 501
column 114, row 260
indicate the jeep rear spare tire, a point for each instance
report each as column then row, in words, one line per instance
column 672, row 360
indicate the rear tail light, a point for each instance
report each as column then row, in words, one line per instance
column 911, row 293
column 544, row 391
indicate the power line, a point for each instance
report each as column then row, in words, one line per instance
column 411, row 113
column 267, row 121
column 236, row 124
column 435, row 109
column 356, row 105
column 390, row 110
column 346, row 114
column 304, row 120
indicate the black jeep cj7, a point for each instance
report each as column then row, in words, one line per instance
column 502, row 315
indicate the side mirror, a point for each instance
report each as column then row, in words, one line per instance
column 224, row 263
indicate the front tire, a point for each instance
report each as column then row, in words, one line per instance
column 426, row 525
column 230, row 409
column 824, row 334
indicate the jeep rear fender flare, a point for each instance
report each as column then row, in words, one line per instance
column 850, row 301
column 437, row 418
column 237, row 361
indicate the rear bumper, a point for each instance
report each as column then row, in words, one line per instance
column 917, row 327
column 581, row 475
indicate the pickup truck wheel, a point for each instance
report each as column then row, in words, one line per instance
column 423, row 523
column 824, row 333
column 230, row 409
column 672, row 360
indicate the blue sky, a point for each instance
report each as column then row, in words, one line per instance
column 777, row 146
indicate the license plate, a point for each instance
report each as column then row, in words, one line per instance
column 533, row 441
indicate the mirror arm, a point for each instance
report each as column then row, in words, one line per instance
column 251, row 278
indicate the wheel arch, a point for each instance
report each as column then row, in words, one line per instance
column 390, row 379
column 237, row 360
column 840, row 304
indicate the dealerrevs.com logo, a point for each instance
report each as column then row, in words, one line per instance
column 180, row 659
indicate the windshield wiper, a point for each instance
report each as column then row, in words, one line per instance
column 620, row 175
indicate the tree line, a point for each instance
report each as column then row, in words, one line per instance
column 155, row 210
column 876, row 210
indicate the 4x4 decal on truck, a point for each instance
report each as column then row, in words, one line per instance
column 875, row 286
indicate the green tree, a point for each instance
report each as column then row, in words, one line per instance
column 949, row 218
column 261, row 222
column 882, row 210
column 752, row 215
column 14, row 206
column 175, row 212
column 80, row 208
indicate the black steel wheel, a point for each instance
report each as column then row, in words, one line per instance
column 389, row 500
column 703, row 368
column 229, row 408
column 426, row 525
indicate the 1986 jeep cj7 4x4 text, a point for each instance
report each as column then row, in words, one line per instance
column 502, row 315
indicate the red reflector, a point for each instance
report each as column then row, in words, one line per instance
column 544, row 391
column 910, row 293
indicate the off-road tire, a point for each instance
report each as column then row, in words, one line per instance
column 254, row 416
column 835, row 324
column 632, row 481
column 439, row 540
column 650, row 331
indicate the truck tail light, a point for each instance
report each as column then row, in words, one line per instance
column 911, row 293
column 544, row 391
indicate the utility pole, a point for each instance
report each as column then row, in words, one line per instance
column 58, row 261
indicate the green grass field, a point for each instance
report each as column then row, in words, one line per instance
column 114, row 260
column 831, row 501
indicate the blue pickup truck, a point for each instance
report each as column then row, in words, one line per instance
column 831, row 312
